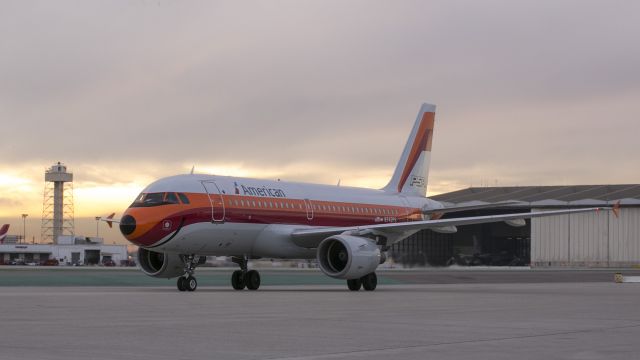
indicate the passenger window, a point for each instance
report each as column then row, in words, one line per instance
column 183, row 198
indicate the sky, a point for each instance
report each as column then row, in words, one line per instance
column 125, row 92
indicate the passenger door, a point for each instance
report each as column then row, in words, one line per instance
column 309, row 207
column 216, row 200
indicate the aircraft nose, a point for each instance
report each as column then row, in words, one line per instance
column 127, row 225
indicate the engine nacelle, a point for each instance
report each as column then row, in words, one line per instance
column 516, row 222
column 347, row 257
column 445, row 229
column 160, row 265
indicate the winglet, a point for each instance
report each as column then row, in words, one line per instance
column 616, row 209
column 110, row 217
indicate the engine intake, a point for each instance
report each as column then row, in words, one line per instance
column 160, row 265
column 347, row 257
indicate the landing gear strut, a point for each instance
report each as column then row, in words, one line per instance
column 368, row 282
column 244, row 278
column 188, row 282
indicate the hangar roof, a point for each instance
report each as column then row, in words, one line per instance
column 572, row 195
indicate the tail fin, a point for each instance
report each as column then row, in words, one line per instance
column 412, row 170
column 3, row 232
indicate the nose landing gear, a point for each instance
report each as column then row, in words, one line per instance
column 188, row 282
column 244, row 278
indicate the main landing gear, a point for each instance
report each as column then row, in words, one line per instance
column 244, row 278
column 368, row 282
column 188, row 282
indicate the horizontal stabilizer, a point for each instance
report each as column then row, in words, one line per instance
column 110, row 220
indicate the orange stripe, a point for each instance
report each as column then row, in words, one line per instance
column 421, row 143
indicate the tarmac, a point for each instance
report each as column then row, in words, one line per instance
column 469, row 316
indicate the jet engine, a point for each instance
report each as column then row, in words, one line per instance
column 348, row 257
column 160, row 265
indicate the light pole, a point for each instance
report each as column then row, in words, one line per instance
column 24, row 227
column 97, row 226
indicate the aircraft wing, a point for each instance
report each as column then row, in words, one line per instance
column 311, row 238
column 471, row 207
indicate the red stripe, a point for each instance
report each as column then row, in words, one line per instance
column 421, row 143
column 267, row 216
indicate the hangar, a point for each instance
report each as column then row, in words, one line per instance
column 577, row 240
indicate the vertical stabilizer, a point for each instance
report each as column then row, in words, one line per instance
column 412, row 171
column 3, row 232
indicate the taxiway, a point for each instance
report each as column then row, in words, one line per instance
column 507, row 320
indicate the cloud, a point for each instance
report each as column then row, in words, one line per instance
column 527, row 92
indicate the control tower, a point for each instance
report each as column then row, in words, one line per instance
column 57, row 207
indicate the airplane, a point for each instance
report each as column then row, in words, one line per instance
column 177, row 221
column 3, row 232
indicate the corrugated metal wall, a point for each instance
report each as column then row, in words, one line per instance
column 592, row 240
column 624, row 237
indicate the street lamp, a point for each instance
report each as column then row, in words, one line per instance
column 98, row 226
column 24, row 227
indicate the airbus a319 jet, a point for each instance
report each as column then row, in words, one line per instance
column 177, row 221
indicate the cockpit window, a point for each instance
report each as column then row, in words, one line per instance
column 171, row 198
column 184, row 198
column 155, row 199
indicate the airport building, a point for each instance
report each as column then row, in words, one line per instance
column 599, row 239
column 70, row 250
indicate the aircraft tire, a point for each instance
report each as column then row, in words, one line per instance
column 370, row 281
column 354, row 284
column 237, row 280
column 253, row 280
column 182, row 283
column 191, row 283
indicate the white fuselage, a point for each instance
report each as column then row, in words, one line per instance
column 228, row 216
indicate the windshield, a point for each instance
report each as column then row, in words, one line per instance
column 155, row 199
